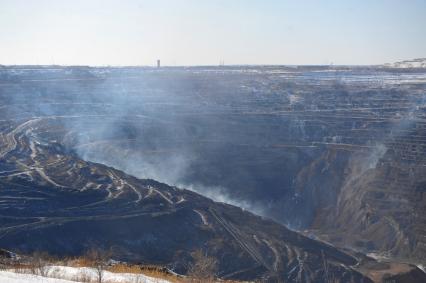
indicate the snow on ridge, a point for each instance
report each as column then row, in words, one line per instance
column 414, row 63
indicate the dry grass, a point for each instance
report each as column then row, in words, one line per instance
column 80, row 262
column 151, row 271
column 158, row 272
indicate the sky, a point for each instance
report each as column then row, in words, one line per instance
column 207, row 32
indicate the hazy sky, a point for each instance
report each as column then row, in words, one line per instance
column 204, row 32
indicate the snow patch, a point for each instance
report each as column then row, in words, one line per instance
column 68, row 274
column 12, row 277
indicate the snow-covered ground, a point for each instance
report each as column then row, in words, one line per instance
column 12, row 277
column 76, row 274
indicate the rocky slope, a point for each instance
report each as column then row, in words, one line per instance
column 380, row 209
column 52, row 200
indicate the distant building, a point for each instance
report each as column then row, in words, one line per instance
column 158, row 63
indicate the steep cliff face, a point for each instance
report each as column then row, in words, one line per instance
column 378, row 206
column 319, row 184
column 385, row 204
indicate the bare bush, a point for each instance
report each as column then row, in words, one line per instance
column 203, row 268
column 138, row 279
column 4, row 262
column 98, row 259
column 39, row 263
column 83, row 277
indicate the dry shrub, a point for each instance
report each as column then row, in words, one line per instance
column 39, row 262
column 20, row 268
column 83, row 277
column 98, row 259
column 203, row 268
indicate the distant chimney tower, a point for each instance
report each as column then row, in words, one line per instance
column 158, row 63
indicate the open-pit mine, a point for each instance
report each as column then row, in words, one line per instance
column 281, row 173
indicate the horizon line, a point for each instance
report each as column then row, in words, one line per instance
column 190, row 66
column 153, row 66
column 210, row 65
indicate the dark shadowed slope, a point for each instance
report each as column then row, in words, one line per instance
column 52, row 200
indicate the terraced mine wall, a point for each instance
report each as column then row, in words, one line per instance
column 336, row 151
